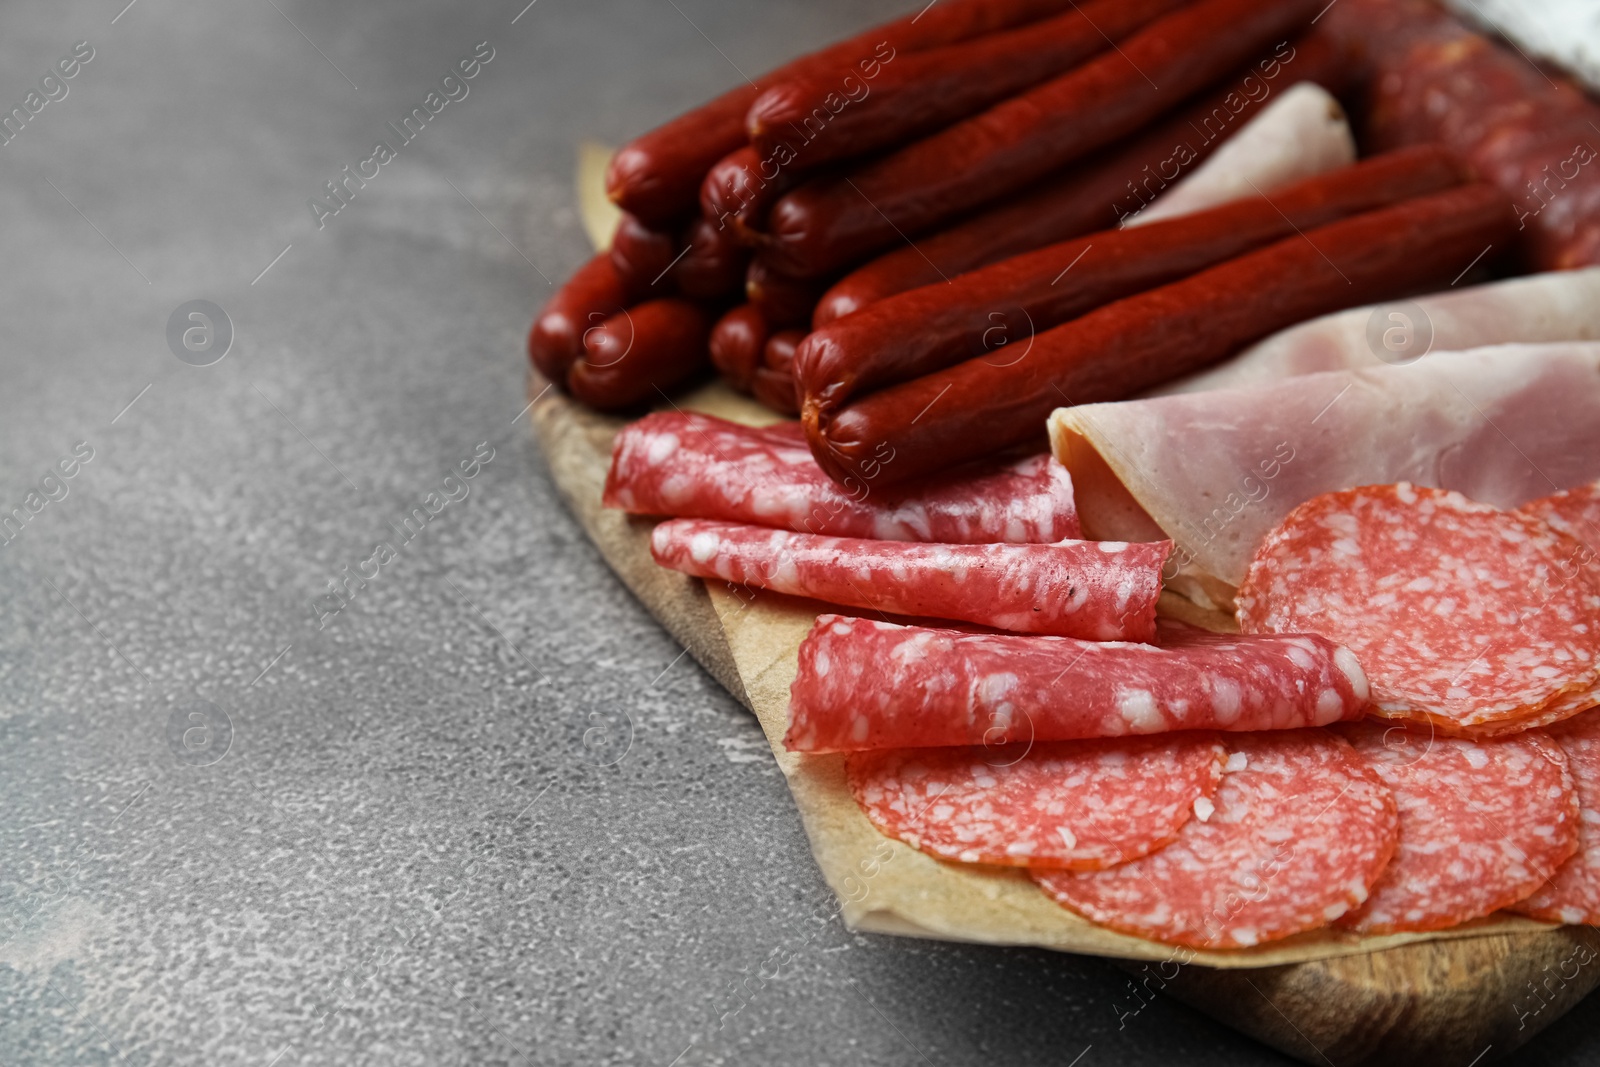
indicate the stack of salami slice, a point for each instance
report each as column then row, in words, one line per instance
column 911, row 153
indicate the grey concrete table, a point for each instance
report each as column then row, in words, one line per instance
column 484, row 812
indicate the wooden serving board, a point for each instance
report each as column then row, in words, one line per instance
column 1463, row 996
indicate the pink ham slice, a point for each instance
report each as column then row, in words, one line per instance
column 688, row 465
column 1097, row 590
column 1076, row 805
column 1558, row 306
column 1299, row 135
column 1482, row 824
column 1300, row 831
column 1214, row 472
column 867, row 685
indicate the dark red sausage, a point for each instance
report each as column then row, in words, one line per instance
column 775, row 389
column 640, row 354
column 987, row 404
column 642, row 257
column 826, row 116
column 832, row 224
column 741, row 187
column 657, row 176
column 997, row 310
column 713, row 265
column 773, row 383
column 783, row 300
column 592, row 295
column 1093, row 195
column 1536, row 135
column 779, row 352
column 738, row 342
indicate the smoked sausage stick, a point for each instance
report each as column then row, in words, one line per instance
column 593, row 294
column 1096, row 194
column 713, row 264
column 642, row 257
column 741, row 187
column 918, row 94
column 639, row 354
column 657, row 176
column 833, row 223
column 738, row 341
column 997, row 310
column 984, row 405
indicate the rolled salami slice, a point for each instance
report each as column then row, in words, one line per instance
column 867, row 685
column 1096, row 590
column 1465, row 616
column 1300, row 831
column 689, row 465
column 1075, row 805
column 1573, row 894
column 1482, row 824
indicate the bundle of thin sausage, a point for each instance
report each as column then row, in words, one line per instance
column 913, row 152
column 1399, row 502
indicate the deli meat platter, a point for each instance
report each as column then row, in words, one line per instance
column 1163, row 529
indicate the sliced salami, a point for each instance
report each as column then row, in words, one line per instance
column 688, row 465
column 1482, row 824
column 868, row 685
column 1098, row 590
column 1573, row 894
column 1076, row 805
column 1301, row 828
column 1575, row 513
column 1464, row 616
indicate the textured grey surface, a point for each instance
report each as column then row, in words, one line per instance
column 485, row 814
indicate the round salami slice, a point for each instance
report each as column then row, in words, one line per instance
column 1079, row 805
column 1575, row 513
column 1465, row 616
column 1482, row 824
column 1300, row 830
column 1573, row 895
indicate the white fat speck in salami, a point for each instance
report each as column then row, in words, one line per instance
column 917, row 687
column 1296, row 838
column 1573, row 894
column 1465, row 616
column 1482, row 823
column 1071, row 588
column 1078, row 805
column 689, row 465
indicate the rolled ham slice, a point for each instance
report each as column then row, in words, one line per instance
column 1215, row 471
column 1096, row 590
column 1302, row 133
column 689, row 465
column 865, row 685
column 1557, row 306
